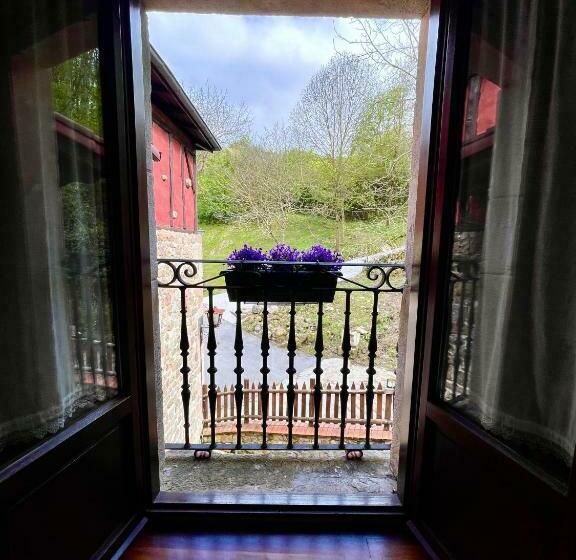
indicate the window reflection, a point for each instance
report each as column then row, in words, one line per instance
column 510, row 353
column 57, row 339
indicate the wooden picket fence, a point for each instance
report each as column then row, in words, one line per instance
column 382, row 414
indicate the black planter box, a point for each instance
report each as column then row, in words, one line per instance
column 281, row 286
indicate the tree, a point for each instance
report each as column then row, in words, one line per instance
column 76, row 90
column 381, row 155
column 229, row 121
column 392, row 45
column 326, row 120
column 262, row 181
column 215, row 198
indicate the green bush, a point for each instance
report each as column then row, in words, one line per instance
column 215, row 199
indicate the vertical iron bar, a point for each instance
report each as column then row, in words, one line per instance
column 444, row 378
column 291, row 371
column 238, row 370
column 89, row 335
column 468, row 353
column 264, row 370
column 185, row 370
column 459, row 337
column 77, row 332
column 372, row 348
column 346, row 347
column 211, row 347
column 101, row 327
column 318, row 349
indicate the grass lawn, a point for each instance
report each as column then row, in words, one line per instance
column 361, row 237
column 333, row 327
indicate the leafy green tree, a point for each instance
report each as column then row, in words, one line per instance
column 380, row 160
column 76, row 90
column 326, row 120
column 215, row 196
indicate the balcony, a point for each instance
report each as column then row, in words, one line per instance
column 285, row 415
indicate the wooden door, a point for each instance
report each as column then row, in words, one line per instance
column 492, row 471
column 74, row 468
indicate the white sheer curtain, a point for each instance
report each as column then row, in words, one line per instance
column 523, row 385
column 44, row 159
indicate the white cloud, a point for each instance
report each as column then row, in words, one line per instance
column 264, row 61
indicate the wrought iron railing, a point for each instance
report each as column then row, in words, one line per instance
column 91, row 333
column 375, row 279
column 463, row 294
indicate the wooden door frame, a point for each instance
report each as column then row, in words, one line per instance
column 439, row 55
column 137, row 213
column 434, row 229
column 131, row 290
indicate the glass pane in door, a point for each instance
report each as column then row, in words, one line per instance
column 57, row 340
column 510, row 351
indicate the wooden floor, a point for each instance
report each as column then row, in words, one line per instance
column 229, row 546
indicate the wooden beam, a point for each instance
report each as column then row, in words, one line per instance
column 331, row 8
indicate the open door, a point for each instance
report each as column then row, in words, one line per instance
column 493, row 473
column 73, row 474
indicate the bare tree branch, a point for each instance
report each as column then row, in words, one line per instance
column 326, row 120
column 228, row 121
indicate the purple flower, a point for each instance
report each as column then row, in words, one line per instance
column 318, row 253
column 247, row 253
column 282, row 252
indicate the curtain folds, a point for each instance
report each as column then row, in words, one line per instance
column 523, row 381
column 54, row 251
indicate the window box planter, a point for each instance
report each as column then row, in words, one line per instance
column 281, row 286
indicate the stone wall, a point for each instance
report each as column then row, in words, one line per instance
column 172, row 243
column 409, row 297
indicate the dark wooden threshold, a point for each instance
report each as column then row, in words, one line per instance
column 219, row 500
column 268, row 512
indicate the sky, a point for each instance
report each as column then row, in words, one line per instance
column 264, row 61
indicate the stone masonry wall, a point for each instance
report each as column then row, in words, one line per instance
column 409, row 297
column 189, row 245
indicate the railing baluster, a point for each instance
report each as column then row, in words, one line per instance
column 303, row 397
column 328, row 393
column 246, row 400
column 88, row 333
column 264, row 370
column 379, row 406
column 238, row 370
column 318, row 350
column 211, row 347
column 185, row 370
column 337, row 403
column 468, row 353
column 372, row 348
column 77, row 334
column 101, row 298
column 346, row 347
column 446, row 359
column 459, row 338
column 310, row 418
column 291, row 371
column 253, row 399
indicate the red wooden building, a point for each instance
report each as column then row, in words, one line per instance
column 178, row 131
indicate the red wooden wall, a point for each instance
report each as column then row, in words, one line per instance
column 174, row 181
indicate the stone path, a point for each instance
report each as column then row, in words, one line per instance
column 251, row 360
column 284, row 472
